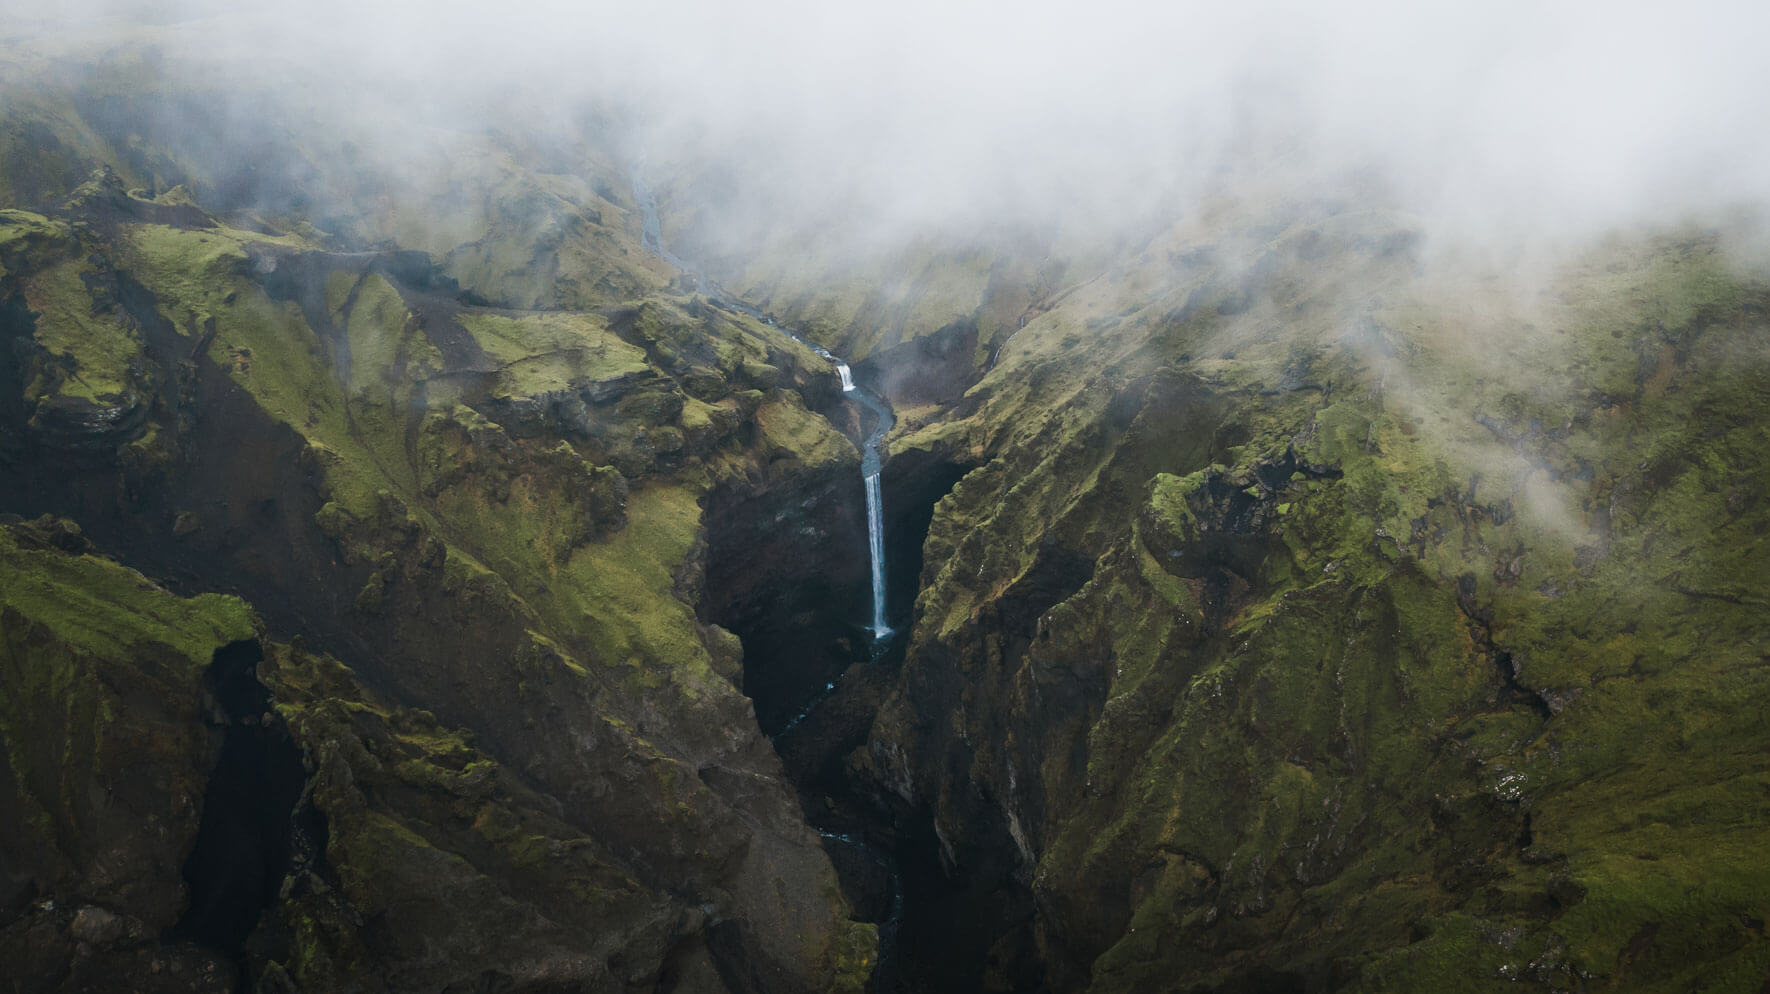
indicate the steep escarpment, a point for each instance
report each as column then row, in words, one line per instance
column 335, row 831
column 1285, row 638
column 105, row 731
column 492, row 517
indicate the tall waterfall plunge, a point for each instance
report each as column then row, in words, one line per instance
column 871, row 463
column 876, row 545
column 652, row 238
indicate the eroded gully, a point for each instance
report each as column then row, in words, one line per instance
column 826, row 717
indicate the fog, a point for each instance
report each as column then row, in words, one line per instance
column 1509, row 130
column 1547, row 120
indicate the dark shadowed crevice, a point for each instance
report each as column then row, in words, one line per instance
column 249, row 827
column 1055, row 575
column 18, row 323
column 834, row 719
column 958, row 933
column 1511, row 691
column 787, row 572
column 910, row 495
column 968, row 911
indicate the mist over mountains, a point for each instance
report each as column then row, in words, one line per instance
column 1499, row 120
column 916, row 498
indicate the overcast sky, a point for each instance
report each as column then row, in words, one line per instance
column 1559, row 115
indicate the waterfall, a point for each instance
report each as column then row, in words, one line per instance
column 652, row 237
column 876, row 545
column 871, row 464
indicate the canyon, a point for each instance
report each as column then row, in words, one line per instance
column 501, row 601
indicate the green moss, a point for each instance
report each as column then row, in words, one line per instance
column 25, row 238
column 199, row 276
column 102, row 671
column 1170, row 500
column 548, row 352
column 1513, row 581
column 191, row 265
column 625, row 589
column 419, row 819
column 856, row 954
column 340, row 285
column 792, row 432
column 105, row 610
column 99, row 350
column 700, row 420
column 386, row 347
column 524, row 537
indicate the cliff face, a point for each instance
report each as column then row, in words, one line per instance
column 1325, row 618
column 501, row 749
column 403, row 585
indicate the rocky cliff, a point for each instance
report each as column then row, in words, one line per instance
column 1318, row 614
column 460, row 725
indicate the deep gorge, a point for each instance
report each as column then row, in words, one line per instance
column 785, row 573
column 506, row 530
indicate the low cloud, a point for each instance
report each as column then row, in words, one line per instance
column 1508, row 118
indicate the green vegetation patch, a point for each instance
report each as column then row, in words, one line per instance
column 101, row 722
column 99, row 351
column 386, row 347
column 25, row 236
column 544, row 353
column 793, row 432
column 100, row 608
column 625, row 587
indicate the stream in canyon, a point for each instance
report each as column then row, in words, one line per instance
column 829, row 706
column 818, row 676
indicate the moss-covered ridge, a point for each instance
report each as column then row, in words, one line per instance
column 527, row 217
column 1393, row 640
column 424, row 838
column 103, row 732
column 509, row 503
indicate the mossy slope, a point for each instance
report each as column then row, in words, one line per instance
column 1394, row 639
column 106, row 750
column 494, row 515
